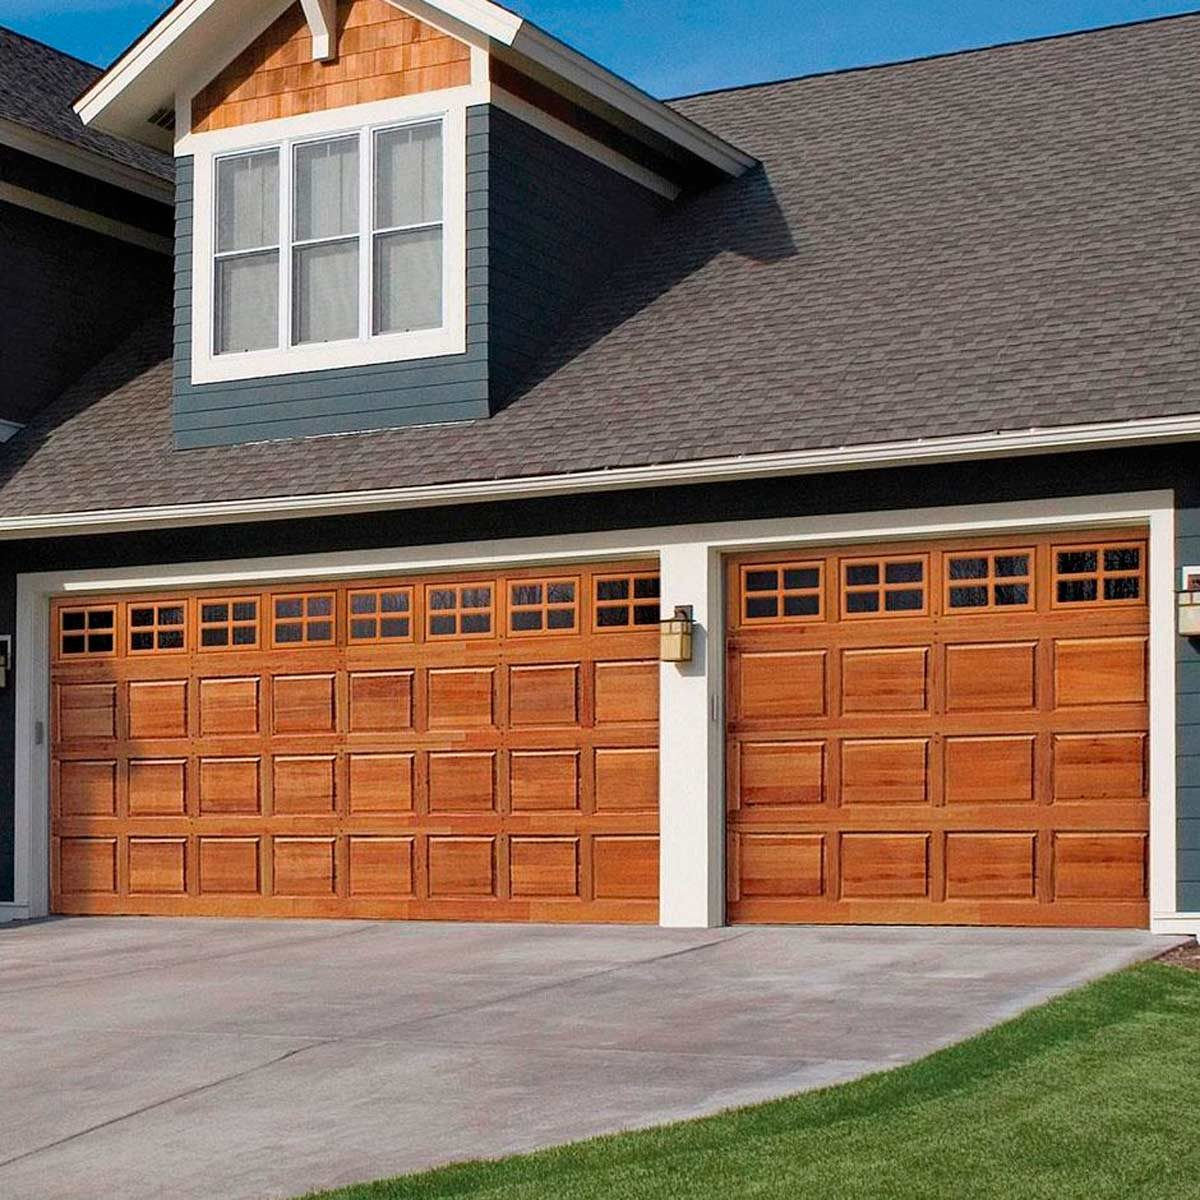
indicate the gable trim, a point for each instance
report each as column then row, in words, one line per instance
column 699, row 471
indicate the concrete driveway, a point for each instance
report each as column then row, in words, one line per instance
column 158, row 1058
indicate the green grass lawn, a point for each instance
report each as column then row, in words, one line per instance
column 1094, row 1095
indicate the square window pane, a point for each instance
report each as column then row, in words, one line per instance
column 363, row 602
column 247, row 303
column 362, row 628
column 1122, row 589
column 319, row 631
column 527, row 593
column 612, row 589
column 172, row 615
column 1009, row 565
column 758, row 607
column 904, row 572
column 320, row 606
column 441, row 626
column 1076, row 591
column 804, row 577
column 561, row 618
column 1129, row 559
column 141, row 616
column 648, row 588
column 561, row 593
column 325, row 293
column 101, row 643
column 969, row 568
column 476, row 623
column 72, row 620
column 292, row 607
column 101, row 618
column 476, row 597
column 211, row 613
column 905, row 601
column 326, row 196
column 244, row 635
column 862, row 574
column 394, row 602
column 408, row 280
column 646, row 614
column 612, row 618
column 1077, row 562
column 214, row 637
column 138, row 641
column 289, row 632
column 245, row 610
column 73, row 644
column 862, row 602
column 801, row 606
column 393, row 627
column 408, row 176
column 968, row 597
column 248, row 201
column 762, row 581
column 170, row 639
column 1008, row 594
column 524, row 621
column 442, row 598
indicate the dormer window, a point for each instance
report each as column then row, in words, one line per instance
column 331, row 249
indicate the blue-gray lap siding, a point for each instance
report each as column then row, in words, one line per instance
column 543, row 221
column 1188, row 713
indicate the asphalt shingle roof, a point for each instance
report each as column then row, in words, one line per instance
column 39, row 85
column 997, row 240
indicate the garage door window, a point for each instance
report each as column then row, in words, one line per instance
column 989, row 579
column 464, row 610
column 894, row 587
column 381, row 616
column 1099, row 574
column 230, row 623
column 156, row 628
column 87, row 632
column 782, row 592
column 303, row 620
column 543, row 606
column 625, row 600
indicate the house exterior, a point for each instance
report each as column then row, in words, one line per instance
column 335, row 588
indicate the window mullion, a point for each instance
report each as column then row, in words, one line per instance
column 286, row 266
column 366, row 237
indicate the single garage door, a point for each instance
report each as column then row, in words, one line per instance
column 947, row 733
column 465, row 747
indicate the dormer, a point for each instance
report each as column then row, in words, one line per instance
column 385, row 213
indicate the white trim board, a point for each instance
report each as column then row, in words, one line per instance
column 689, row 555
column 698, row 471
column 47, row 206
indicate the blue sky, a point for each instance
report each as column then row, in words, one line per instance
column 671, row 47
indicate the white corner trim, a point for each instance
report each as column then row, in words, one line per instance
column 47, row 206
column 13, row 912
column 321, row 16
column 697, row 471
column 1183, row 924
column 692, row 555
column 561, row 131
column 85, row 162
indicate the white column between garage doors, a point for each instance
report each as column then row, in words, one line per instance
column 692, row 866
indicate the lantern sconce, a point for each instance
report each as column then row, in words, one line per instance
column 675, row 635
column 1188, row 602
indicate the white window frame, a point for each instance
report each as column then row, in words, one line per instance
column 363, row 121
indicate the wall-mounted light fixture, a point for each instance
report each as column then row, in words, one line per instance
column 675, row 641
column 1188, row 603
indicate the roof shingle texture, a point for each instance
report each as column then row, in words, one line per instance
column 998, row 240
column 38, row 87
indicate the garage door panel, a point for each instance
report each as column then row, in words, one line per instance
column 87, row 865
column 544, row 867
column 985, row 751
column 304, row 866
column 462, row 782
column 461, row 698
column 85, row 711
column 157, row 787
column 157, row 866
column 544, row 781
column 381, row 784
column 381, row 701
column 158, row 709
column 543, row 694
column 231, row 786
column 626, row 779
column 87, row 788
column 230, row 706
column 303, row 704
column 303, row 785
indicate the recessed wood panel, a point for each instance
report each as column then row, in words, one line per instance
column 462, row 867
column 626, row 780
column 626, row 692
column 544, row 866
column 781, row 686
column 158, row 710
column 230, row 786
column 625, row 868
column 87, row 864
column 87, row 789
column 461, row 698
column 780, row 866
column 381, row 783
column 158, row 787
column 990, row 866
column 380, row 701
column 991, row 678
column 544, row 780
column 229, row 866
column 781, row 773
column 462, row 782
column 157, row 866
column 229, row 706
column 544, row 695
column 87, row 710
column 885, row 681
column 885, row 771
column 1100, row 671
column 1101, row 766
column 990, row 770
column 1100, row 866
column 885, row 865
column 303, row 866
column 381, row 866
column 304, row 704
column 382, row 52
column 304, row 785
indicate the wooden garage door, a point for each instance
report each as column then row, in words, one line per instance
column 468, row 747
column 949, row 732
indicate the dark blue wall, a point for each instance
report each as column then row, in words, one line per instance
column 865, row 491
column 543, row 225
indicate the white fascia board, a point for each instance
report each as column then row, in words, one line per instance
column 698, row 471
column 85, row 162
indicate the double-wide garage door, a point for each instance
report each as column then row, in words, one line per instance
column 474, row 747
column 941, row 733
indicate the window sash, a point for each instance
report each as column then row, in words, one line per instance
column 367, row 237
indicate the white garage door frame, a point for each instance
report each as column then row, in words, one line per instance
column 692, row 809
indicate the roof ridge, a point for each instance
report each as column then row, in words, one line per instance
column 25, row 37
column 962, row 52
